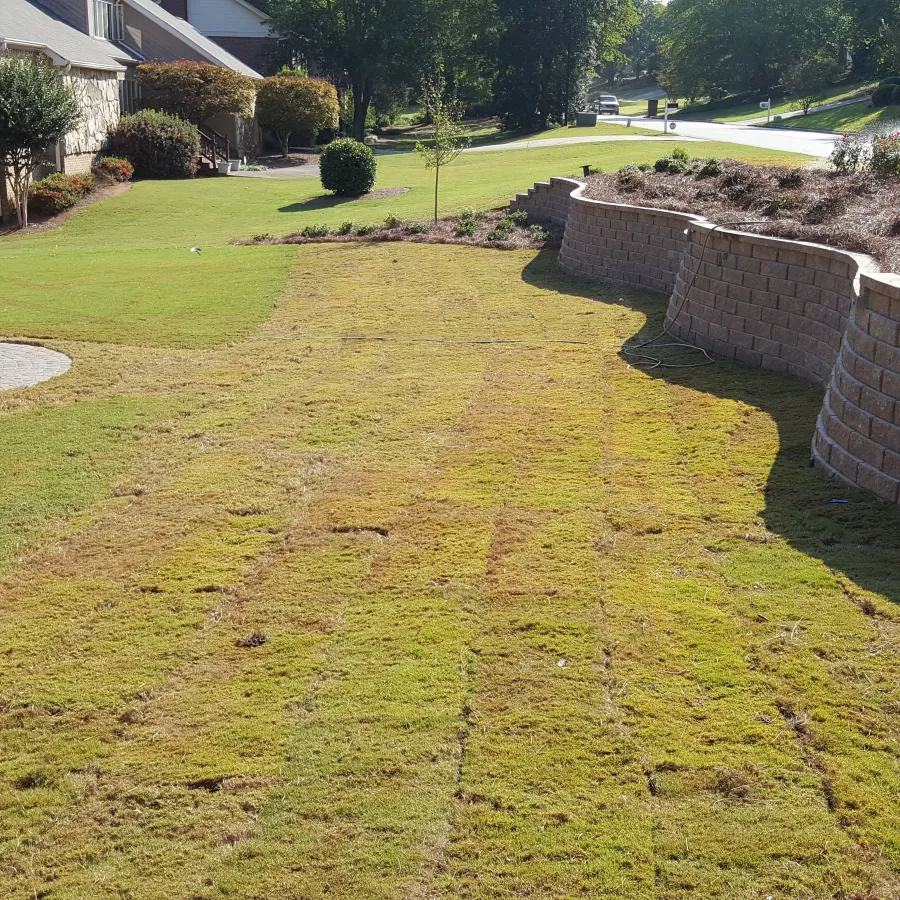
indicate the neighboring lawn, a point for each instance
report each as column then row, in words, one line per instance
column 530, row 622
column 721, row 111
column 846, row 118
column 602, row 129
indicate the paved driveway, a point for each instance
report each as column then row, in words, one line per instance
column 812, row 143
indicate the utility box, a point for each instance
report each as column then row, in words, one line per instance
column 586, row 120
column 652, row 108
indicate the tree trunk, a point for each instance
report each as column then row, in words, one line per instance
column 362, row 97
column 437, row 175
column 5, row 208
column 285, row 145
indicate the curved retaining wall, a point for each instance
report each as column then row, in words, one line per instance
column 824, row 315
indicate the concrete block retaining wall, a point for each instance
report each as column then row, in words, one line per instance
column 821, row 314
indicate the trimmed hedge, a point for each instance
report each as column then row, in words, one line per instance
column 347, row 167
column 157, row 145
column 883, row 95
column 113, row 169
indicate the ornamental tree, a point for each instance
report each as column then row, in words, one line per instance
column 37, row 109
column 290, row 105
column 445, row 138
column 196, row 91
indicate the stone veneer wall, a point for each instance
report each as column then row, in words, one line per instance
column 98, row 99
column 824, row 315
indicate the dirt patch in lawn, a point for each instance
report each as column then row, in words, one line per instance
column 485, row 233
column 858, row 213
column 48, row 223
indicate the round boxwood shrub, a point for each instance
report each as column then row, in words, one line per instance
column 895, row 96
column 883, row 95
column 157, row 145
column 894, row 79
column 347, row 167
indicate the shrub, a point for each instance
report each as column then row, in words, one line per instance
column 792, row 178
column 81, row 185
column 538, row 234
column 893, row 79
column 519, row 218
column 681, row 154
column 895, row 96
column 364, row 230
column 417, row 228
column 630, row 177
column 345, row 227
column 315, row 231
column 158, row 145
column 197, row 91
column 347, row 167
column 850, row 155
column 113, row 169
column 828, row 207
column 711, row 168
column 49, row 200
column 886, row 156
column 469, row 214
column 296, row 106
column 502, row 230
column 466, row 228
column 671, row 165
column 883, row 95
column 393, row 221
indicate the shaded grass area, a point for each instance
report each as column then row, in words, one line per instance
column 424, row 532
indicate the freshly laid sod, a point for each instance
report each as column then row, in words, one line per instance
column 307, row 591
column 394, row 617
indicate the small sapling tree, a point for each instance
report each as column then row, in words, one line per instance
column 37, row 109
column 804, row 80
column 445, row 138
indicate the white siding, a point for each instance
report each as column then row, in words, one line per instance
column 226, row 18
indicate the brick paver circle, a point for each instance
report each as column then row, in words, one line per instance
column 22, row 365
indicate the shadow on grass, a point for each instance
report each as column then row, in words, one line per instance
column 329, row 201
column 861, row 538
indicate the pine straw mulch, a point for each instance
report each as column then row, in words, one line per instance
column 442, row 232
column 859, row 213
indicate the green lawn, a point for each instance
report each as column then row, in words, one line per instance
column 845, row 118
column 722, row 112
column 602, row 129
column 122, row 271
column 526, row 621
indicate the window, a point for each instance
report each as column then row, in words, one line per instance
column 129, row 96
column 108, row 20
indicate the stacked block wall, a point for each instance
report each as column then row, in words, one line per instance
column 821, row 314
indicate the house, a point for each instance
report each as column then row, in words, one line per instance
column 236, row 25
column 98, row 44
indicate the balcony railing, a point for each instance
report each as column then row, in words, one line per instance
column 109, row 20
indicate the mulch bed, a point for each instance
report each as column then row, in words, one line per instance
column 48, row 223
column 442, row 232
column 858, row 213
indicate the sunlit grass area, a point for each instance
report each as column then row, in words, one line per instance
column 377, row 571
